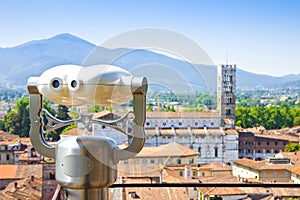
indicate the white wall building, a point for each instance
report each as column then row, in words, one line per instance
column 209, row 133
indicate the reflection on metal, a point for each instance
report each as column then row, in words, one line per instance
column 86, row 165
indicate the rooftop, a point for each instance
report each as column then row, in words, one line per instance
column 216, row 166
column 261, row 165
column 170, row 115
column 23, row 189
column 171, row 149
column 10, row 171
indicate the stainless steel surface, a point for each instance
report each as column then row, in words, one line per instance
column 86, row 165
column 89, row 194
column 36, row 133
column 85, row 162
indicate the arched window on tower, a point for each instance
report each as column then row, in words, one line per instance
column 216, row 151
column 228, row 111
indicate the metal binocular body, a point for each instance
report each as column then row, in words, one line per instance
column 85, row 164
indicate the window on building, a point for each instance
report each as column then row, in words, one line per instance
column 228, row 111
column 275, row 174
column 203, row 173
column 286, row 174
column 52, row 175
column 264, row 175
column 258, row 143
column 7, row 156
column 178, row 161
column 125, row 161
column 268, row 143
column 276, row 143
column 216, row 151
column 191, row 161
column 136, row 161
column 199, row 151
column 180, row 173
column 133, row 195
column 258, row 151
column 152, row 161
column 144, row 161
column 160, row 161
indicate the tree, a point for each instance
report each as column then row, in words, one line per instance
column 292, row 147
column 22, row 107
column 62, row 114
column 12, row 122
column 2, row 125
column 17, row 120
column 272, row 117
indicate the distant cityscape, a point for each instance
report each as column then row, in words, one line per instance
column 197, row 144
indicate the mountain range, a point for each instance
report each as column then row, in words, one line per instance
column 18, row 63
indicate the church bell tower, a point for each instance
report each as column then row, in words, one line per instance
column 227, row 93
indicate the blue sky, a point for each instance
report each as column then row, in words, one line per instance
column 261, row 36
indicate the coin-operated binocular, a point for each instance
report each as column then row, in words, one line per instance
column 86, row 165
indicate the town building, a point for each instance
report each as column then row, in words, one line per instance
column 150, row 161
column 260, row 147
column 227, row 193
column 214, row 169
column 200, row 131
column 11, row 172
column 273, row 170
column 15, row 150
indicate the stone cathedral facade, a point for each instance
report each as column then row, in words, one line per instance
column 211, row 134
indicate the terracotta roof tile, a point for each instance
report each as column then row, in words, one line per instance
column 261, row 165
column 290, row 138
column 295, row 169
column 216, row 166
column 26, row 189
column 170, row 149
column 20, row 171
column 222, row 191
column 182, row 115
